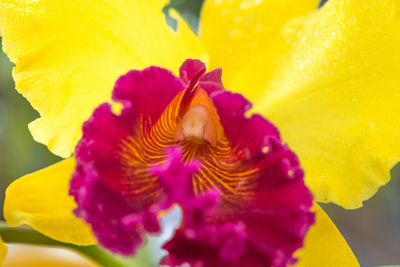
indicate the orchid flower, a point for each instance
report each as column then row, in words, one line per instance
column 320, row 75
column 175, row 141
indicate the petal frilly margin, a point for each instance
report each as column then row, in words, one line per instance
column 324, row 244
column 333, row 92
column 235, row 31
column 68, row 56
column 41, row 200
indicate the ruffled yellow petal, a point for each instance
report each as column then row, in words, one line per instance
column 41, row 201
column 233, row 31
column 324, row 245
column 331, row 83
column 3, row 251
column 68, row 55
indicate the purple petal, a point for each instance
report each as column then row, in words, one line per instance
column 148, row 92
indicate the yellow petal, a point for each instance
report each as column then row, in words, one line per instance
column 3, row 251
column 331, row 83
column 41, row 201
column 324, row 245
column 159, row 3
column 68, row 55
column 233, row 31
column 42, row 256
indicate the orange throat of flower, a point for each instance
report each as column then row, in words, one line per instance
column 191, row 122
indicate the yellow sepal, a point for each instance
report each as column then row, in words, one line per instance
column 3, row 251
column 41, row 200
column 324, row 245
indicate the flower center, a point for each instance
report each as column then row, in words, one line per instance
column 190, row 122
column 198, row 126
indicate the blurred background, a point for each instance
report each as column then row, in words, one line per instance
column 373, row 231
